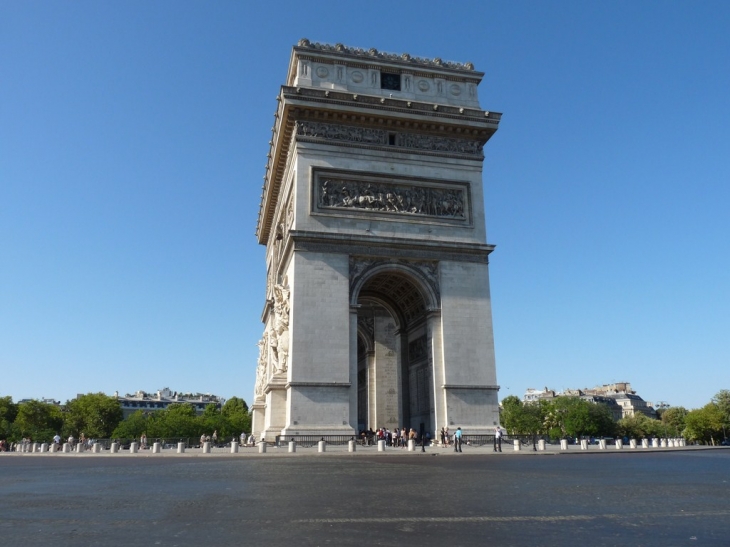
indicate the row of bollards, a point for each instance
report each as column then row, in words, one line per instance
column 619, row 444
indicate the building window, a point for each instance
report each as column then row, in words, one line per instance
column 390, row 81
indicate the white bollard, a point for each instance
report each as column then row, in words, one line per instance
column 66, row 448
column 619, row 444
column 206, row 447
column 351, row 445
column 133, row 448
column 322, row 446
column 114, row 448
column 563, row 444
column 516, row 445
column 541, row 445
column 79, row 448
column 632, row 443
column 181, row 448
column 682, row 442
column 663, row 443
column 156, row 448
column 44, row 447
column 234, row 447
column 584, row 444
column 292, row 447
column 655, row 443
column 96, row 448
column 602, row 444
column 381, row 446
column 262, row 446
column 411, row 445
column 34, row 448
column 644, row 443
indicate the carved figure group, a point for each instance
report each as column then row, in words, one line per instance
column 427, row 201
column 341, row 132
column 279, row 333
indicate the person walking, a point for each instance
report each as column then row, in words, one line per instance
column 457, row 440
column 498, row 439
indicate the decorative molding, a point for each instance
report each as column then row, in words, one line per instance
column 374, row 54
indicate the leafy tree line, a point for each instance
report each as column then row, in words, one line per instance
column 99, row 416
column 574, row 417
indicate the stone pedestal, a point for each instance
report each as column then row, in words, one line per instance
column 206, row 448
column 351, row 446
column 114, row 448
column 583, row 444
column 79, row 448
column 632, row 443
column 133, row 448
column 411, row 445
column 34, row 448
column 516, row 445
column 321, row 446
column 234, row 447
column 292, row 447
column 619, row 444
column 563, row 444
column 541, row 445
column 156, row 448
column 44, row 447
column 262, row 446
column 381, row 446
column 655, row 443
column 602, row 444
column 96, row 448
column 663, row 443
column 180, row 448
column 66, row 448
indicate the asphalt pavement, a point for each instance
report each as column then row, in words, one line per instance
column 606, row 498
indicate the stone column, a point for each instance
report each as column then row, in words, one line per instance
column 258, row 413
column 353, row 368
column 436, row 358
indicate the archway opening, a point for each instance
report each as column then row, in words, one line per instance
column 395, row 378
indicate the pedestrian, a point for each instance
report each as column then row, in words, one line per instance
column 498, row 439
column 215, row 437
column 457, row 440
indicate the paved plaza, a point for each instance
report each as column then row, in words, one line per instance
column 596, row 498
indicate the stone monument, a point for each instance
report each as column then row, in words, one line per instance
column 377, row 310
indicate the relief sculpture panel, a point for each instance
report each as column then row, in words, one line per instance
column 337, row 192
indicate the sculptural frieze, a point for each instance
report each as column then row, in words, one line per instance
column 261, row 368
column 367, row 135
column 347, row 133
column 427, row 201
column 279, row 331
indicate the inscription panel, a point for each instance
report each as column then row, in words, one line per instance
column 340, row 192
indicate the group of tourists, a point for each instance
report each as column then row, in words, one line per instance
column 398, row 437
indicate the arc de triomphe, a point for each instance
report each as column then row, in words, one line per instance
column 377, row 309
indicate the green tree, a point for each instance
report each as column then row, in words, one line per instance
column 673, row 419
column 639, row 426
column 131, row 427
column 236, row 418
column 511, row 416
column 8, row 412
column 722, row 400
column 95, row 415
column 705, row 424
column 177, row 420
column 39, row 421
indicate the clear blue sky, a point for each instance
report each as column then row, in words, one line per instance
column 133, row 138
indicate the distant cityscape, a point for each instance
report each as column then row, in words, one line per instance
column 619, row 397
column 158, row 400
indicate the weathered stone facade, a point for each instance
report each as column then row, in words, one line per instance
column 378, row 311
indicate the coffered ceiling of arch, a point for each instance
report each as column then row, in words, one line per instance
column 398, row 289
